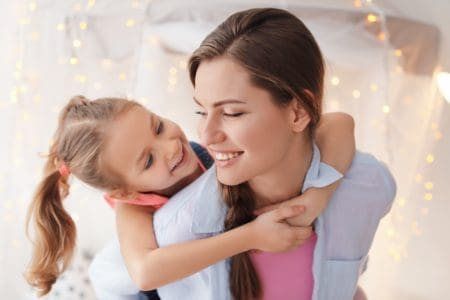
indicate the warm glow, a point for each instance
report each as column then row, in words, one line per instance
column 371, row 18
column 443, row 81
column 76, row 43
column 130, row 23
column 83, row 25
column 357, row 3
column 335, row 80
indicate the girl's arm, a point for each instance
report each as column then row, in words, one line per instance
column 336, row 141
column 151, row 267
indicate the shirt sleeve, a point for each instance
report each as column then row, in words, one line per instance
column 109, row 276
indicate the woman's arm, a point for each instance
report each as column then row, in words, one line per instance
column 336, row 141
column 151, row 267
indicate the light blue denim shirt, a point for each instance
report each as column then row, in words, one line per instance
column 345, row 232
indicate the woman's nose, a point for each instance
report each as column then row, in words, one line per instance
column 210, row 132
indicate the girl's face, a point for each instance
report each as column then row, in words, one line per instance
column 149, row 152
column 245, row 131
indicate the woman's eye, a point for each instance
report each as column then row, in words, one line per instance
column 233, row 115
column 149, row 162
column 159, row 128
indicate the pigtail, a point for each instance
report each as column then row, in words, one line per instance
column 76, row 149
column 55, row 231
column 244, row 281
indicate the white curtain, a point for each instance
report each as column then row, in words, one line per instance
column 377, row 70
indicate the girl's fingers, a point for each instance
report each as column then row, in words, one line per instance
column 286, row 212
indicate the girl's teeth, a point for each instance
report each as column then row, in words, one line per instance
column 226, row 156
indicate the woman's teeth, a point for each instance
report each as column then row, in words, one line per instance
column 226, row 156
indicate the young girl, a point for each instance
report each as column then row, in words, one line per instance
column 118, row 146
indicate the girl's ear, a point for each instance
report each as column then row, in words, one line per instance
column 299, row 117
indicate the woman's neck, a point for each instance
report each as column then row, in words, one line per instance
column 285, row 180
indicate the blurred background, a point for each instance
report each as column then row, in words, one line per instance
column 387, row 66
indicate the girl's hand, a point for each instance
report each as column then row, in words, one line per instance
column 314, row 200
column 271, row 233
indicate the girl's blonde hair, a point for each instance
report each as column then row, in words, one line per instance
column 78, row 143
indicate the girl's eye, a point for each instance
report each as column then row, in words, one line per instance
column 149, row 162
column 233, row 115
column 159, row 128
column 200, row 113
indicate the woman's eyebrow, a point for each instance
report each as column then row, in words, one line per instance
column 222, row 102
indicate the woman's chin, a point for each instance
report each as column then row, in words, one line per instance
column 228, row 179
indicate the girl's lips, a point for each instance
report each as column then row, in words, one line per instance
column 183, row 160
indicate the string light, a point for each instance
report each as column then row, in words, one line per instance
column 371, row 18
column 32, row 6
column 335, row 80
column 429, row 185
column 382, row 36
column 386, row 109
column 419, row 178
column 357, row 3
column 398, row 52
column 356, row 94
column 73, row 60
column 130, row 23
column 24, row 21
column 430, row 158
column 373, row 87
column 122, row 76
column 60, row 27
column 428, row 196
column 83, row 25
column 443, row 80
column 76, row 43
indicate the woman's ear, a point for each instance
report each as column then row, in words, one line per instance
column 299, row 117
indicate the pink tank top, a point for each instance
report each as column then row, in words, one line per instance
column 286, row 275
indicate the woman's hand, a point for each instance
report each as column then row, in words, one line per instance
column 270, row 232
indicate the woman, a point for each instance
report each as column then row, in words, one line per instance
column 258, row 81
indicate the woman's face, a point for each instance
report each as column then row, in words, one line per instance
column 149, row 152
column 245, row 131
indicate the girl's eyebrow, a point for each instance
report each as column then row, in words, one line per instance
column 142, row 155
column 222, row 102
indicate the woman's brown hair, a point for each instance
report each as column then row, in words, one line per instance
column 282, row 57
column 77, row 144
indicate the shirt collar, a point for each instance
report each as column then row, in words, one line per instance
column 319, row 174
column 210, row 209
